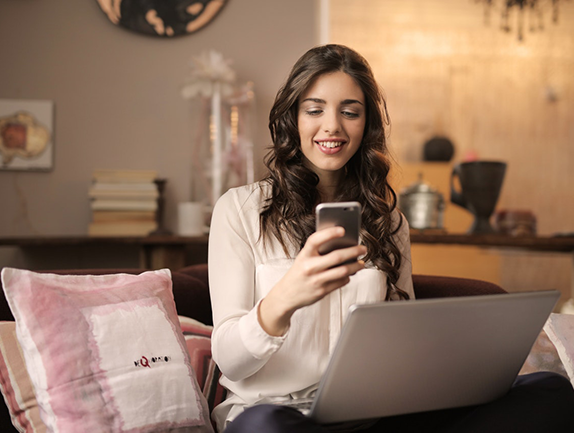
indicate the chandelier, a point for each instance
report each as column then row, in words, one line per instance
column 520, row 11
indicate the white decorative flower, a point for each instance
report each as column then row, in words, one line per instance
column 207, row 71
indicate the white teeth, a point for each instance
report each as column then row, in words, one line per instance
column 331, row 144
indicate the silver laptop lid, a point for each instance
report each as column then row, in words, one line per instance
column 402, row 357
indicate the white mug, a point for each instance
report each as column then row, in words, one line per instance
column 190, row 219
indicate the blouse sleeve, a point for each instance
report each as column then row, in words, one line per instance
column 240, row 347
column 403, row 242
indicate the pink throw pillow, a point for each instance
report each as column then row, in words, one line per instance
column 105, row 353
column 16, row 385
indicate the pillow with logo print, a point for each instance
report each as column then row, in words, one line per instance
column 18, row 391
column 106, row 352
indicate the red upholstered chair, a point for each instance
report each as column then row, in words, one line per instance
column 431, row 286
column 425, row 286
column 191, row 289
column 191, row 294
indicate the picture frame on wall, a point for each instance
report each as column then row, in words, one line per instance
column 26, row 135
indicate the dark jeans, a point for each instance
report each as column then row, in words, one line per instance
column 538, row 402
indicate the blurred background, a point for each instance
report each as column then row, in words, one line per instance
column 446, row 67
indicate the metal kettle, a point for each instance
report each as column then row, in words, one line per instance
column 422, row 205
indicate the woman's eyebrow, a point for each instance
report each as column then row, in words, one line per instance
column 351, row 101
column 322, row 101
column 316, row 100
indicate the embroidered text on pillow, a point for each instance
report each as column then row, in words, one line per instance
column 145, row 362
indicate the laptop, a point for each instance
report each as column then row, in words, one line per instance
column 400, row 357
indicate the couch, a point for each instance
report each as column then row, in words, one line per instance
column 191, row 294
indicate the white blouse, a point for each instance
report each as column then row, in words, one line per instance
column 257, row 367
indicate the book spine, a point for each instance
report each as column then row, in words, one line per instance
column 123, row 186
column 103, row 216
column 125, row 195
column 124, row 202
column 143, row 205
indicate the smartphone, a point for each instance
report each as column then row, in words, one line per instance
column 344, row 214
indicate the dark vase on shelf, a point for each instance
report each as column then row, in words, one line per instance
column 481, row 182
column 438, row 149
column 159, row 214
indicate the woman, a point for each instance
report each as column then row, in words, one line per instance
column 279, row 305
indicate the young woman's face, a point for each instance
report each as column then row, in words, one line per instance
column 331, row 122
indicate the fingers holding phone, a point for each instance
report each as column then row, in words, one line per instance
column 323, row 265
column 312, row 277
column 324, row 257
column 343, row 214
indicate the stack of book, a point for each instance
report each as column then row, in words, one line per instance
column 123, row 203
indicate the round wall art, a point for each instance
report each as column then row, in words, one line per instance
column 164, row 18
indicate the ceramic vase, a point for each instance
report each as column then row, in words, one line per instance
column 481, row 183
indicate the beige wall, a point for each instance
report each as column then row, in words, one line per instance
column 117, row 100
column 445, row 72
column 117, row 103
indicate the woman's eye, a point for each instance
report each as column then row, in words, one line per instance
column 313, row 112
column 350, row 114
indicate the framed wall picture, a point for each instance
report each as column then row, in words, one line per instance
column 26, row 134
column 164, row 18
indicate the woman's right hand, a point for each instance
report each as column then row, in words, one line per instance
column 312, row 277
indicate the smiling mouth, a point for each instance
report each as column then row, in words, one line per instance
column 330, row 144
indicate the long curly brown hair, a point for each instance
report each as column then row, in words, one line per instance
column 288, row 213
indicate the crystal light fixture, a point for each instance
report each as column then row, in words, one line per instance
column 522, row 10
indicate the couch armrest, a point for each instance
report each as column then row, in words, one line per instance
column 431, row 286
column 191, row 293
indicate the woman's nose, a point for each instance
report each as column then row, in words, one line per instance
column 331, row 123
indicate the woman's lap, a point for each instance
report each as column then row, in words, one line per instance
column 536, row 402
column 271, row 418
